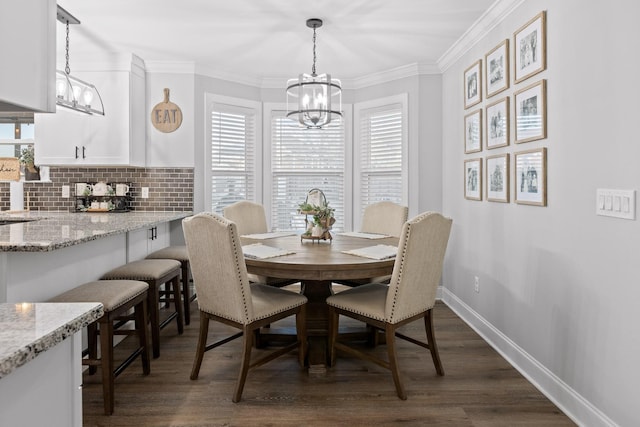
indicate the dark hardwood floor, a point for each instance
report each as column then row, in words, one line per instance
column 479, row 387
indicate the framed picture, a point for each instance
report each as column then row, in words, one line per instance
column 497, row 123
column 473, row 84
column 473, row 179
column 497, row 69
column 531, row 177
column 531, row 112
column 497, row 180
column 473, row 132
column 530, row 48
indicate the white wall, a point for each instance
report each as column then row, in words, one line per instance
column 558, row 284
column 174, row 149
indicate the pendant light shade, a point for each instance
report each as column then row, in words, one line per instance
column 71, row 92
column 314, row 99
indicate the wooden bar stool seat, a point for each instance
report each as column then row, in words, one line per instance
column 179, row 253
column 118, row 298
column 155, row 272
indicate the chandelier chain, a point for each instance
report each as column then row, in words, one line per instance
column 66, row 68
column 313, row 68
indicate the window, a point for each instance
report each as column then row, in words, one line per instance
column 300, row 160
column 12, row 130
column 380, row 153
column 231, row 166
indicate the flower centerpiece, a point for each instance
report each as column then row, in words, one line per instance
column 323, row 219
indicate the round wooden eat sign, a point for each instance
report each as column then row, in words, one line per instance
column 166, row 116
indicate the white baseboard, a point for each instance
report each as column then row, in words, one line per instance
column 576, row 407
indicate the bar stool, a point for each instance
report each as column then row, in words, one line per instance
column 179, row 253
column 118, row 297
column 155, row 272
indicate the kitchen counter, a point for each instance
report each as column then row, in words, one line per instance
column 45, row 231
column 30, row 329
column 41, row 362
column 53, row 252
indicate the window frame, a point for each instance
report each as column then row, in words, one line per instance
column 211, row 100
column 267, row 181
column 361, row 110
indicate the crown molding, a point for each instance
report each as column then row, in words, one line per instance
column 488, row 21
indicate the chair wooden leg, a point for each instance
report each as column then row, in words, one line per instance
column 431, row 341
column 334, row 318
column 140, row 312
column 186, row 293
column 202, row 344
column 175, row 284
column 153, row 305
column 301, row 331
column 92, row 342
column 393, row 360
column 106, row 356
column 247, row 342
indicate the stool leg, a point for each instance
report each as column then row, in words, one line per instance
column 92, row 342
column 106, row 357
column 175, row 283
column 141, row 327
column 186, row 292
column 154, row 317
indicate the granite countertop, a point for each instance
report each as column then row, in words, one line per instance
column 27, row 329
column 46, row 231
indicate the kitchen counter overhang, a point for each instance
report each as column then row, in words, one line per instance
column 43, row 231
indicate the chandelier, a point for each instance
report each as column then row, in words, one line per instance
column 314, row 100
column 72, row 92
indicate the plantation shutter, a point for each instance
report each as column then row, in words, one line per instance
column 303, row 159
column 380, row 156
column 233, row 142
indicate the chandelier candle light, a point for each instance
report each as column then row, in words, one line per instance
column 72, row 92
column 311, row 98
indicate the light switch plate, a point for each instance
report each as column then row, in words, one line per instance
column 65, row 191
column 145, row 192
column 616, row 203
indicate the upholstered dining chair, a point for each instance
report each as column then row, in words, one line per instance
column 225, row 295
column 410, row 296
column 380, row 218
column 251, row 219
column 248, row 216
column 384, row 218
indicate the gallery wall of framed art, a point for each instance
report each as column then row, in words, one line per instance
column 518, row 115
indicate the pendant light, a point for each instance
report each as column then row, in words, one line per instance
column 72, row 92
column 314, row 100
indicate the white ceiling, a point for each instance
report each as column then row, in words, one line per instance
column 269, row 39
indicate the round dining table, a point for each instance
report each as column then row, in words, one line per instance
column 317, row 264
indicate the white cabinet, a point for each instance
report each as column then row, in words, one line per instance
column 117, row 138
column 27, row 74
column 142, row 242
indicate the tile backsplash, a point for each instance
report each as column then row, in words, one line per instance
column 170, row 189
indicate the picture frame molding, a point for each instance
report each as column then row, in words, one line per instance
column 467, row 117
column 542, row 199
column 476, row 195
column 507, row 119
column 505, row 197
column 470, row 101
column 541, row 41
column 542, row 105
column 503, row 46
